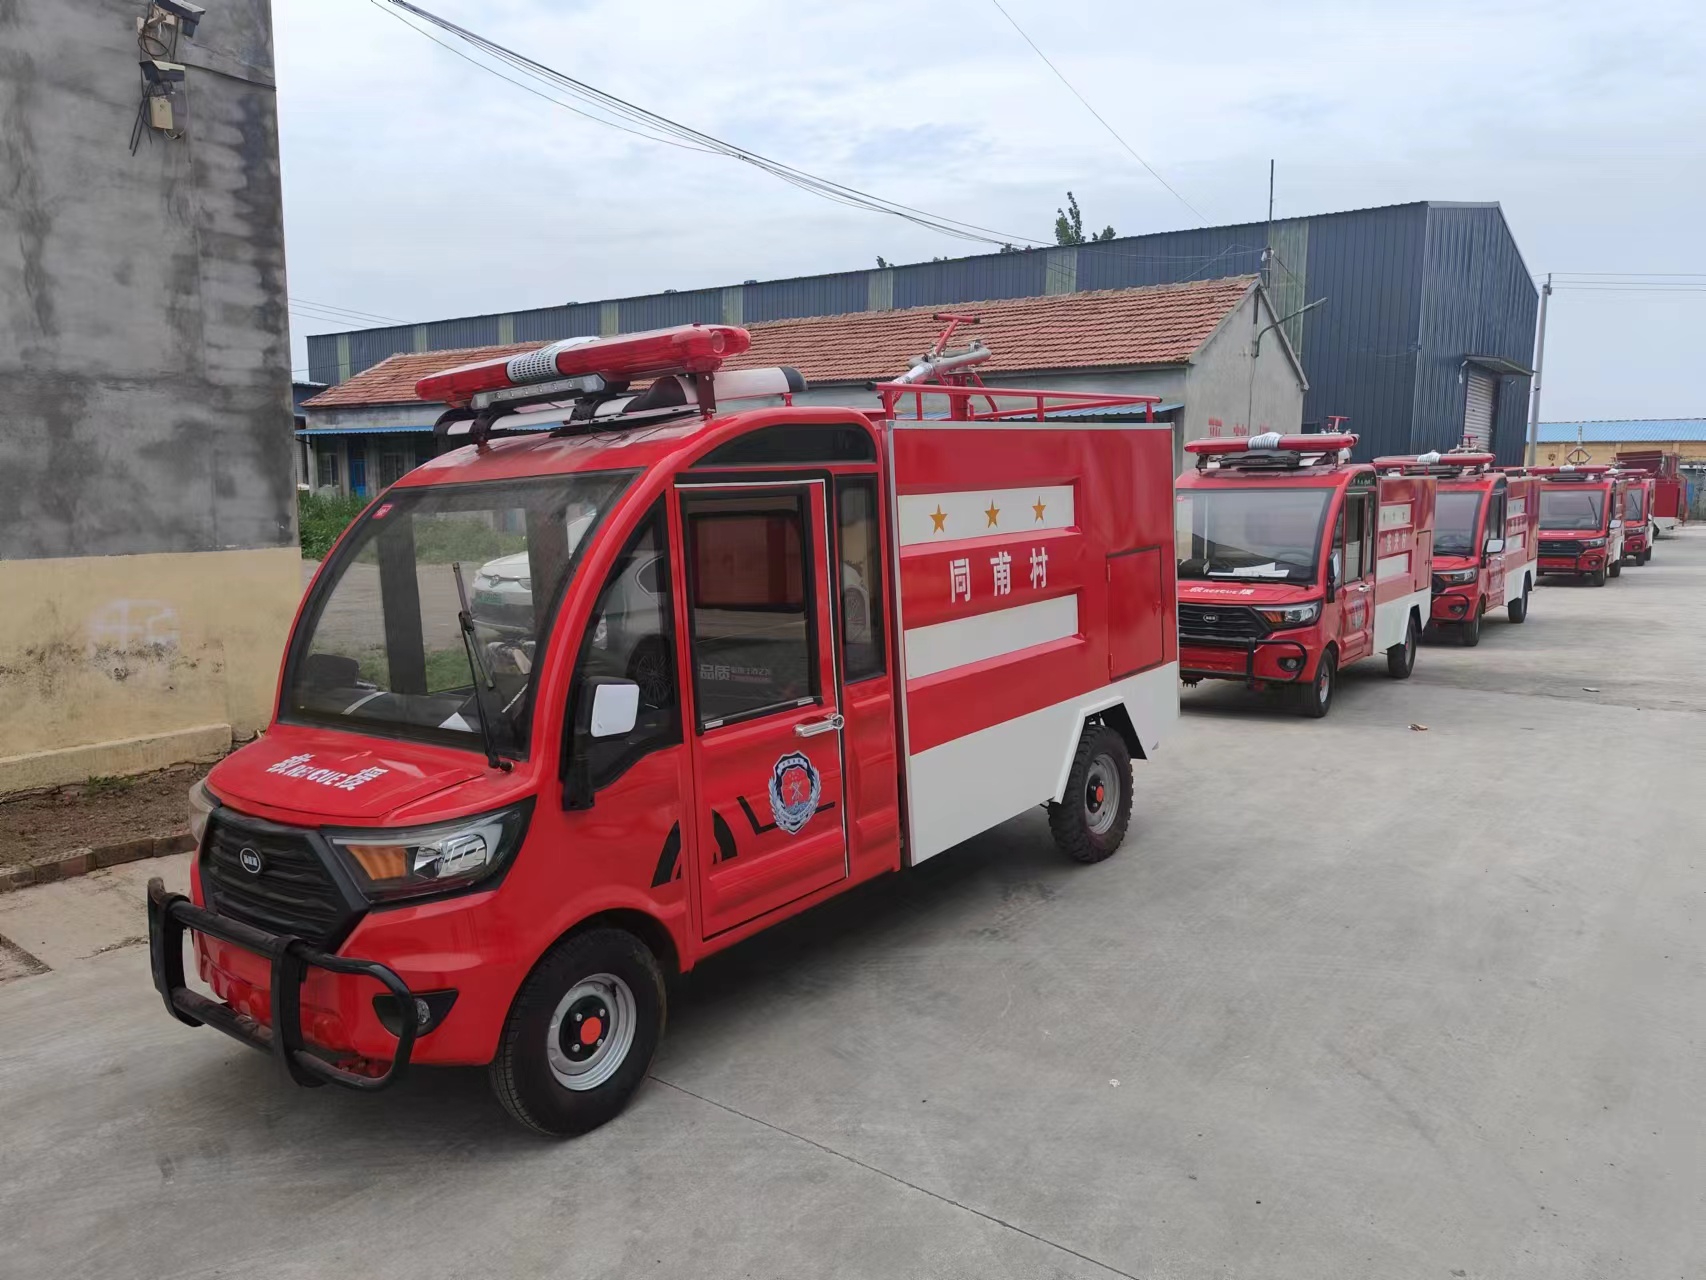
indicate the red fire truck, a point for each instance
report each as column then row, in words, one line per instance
column 1581, row 522
column 1485, row 551
column 1640, row 491
column 1294, row 562
column 1670, row 490
column 772, row 653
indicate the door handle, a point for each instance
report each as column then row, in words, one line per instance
column 821, row 726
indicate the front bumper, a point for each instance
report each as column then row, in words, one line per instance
column 290, row 958
column 1454, row 604
column 1255, row 662
column 1586, row 562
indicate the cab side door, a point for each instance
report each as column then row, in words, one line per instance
column 767, row 745
column 1493, row 534
column 1353, row 554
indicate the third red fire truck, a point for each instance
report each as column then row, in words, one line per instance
column 1485, row 551
column 1295, row 562
column 1640, row 492
column 1581, row 521
column 719, row 663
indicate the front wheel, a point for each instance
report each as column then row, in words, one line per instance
column 1597, row 577
column 1469, row 630
column 1615, row 570
column 1401, row 658
column 1090, row 821
column 581, row 1034
column 1517, row 610
column 1315, row 699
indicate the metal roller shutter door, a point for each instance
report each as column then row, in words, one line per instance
column 1478, row 409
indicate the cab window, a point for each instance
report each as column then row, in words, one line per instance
column 630, row 637
column 749, row 605
column 1354, row 536
column 861, row 585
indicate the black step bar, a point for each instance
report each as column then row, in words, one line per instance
column 170, row 914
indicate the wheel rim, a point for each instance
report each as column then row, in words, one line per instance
column 1410, row 645
column 1101, row 795
column 591, row 1031
column 1324, row 683
column 653, row 676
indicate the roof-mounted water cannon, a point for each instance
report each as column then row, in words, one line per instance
column 945, row 364
column 1271, row 451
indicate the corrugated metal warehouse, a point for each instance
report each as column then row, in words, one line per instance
column 1425, row 333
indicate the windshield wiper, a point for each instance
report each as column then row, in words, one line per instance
column 484, row 683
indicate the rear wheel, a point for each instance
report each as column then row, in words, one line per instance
column 1315, row 699
column 1401, row 658
column 1089, row 823
column 1517, row 610
column 1469, row 630
column 581, row 1034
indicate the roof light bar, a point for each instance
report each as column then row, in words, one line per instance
column 1454, row 462
column 1322, row 442
column 685, row 349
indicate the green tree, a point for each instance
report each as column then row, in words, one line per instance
column 1069, row 225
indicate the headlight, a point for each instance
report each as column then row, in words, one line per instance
column 1457, row 576
column 1292, row 615
column 432, row 860
column 202, row 805
column 1593, row 542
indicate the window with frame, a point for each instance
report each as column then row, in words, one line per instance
column 393, row 464
column 326, row 468
column 1353, row 536
column 749, row 602
column 861, row 584
column 632, row 637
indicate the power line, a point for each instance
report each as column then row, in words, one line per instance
column 660, row 128
column 298, row 301
column 1092, row 110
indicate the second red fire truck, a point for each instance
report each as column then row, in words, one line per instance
column 1485, row 550
column 1295, row 562
column 717, row 666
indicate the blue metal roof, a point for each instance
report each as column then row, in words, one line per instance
column 1625, row 430
column 400, row 428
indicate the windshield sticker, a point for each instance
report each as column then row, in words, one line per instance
column 794, row 791
column 299, row 767
column 1267, row 570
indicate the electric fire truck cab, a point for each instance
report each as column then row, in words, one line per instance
column 1581, row 521
column 1640, row 493
column 751, row 659
column 1669, row 505
column 1294, row 563
column 1485, row 551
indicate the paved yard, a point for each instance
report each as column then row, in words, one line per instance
column 1355, row 1001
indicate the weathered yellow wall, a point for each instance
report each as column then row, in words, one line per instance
column 109, row 664
column 1553, row 454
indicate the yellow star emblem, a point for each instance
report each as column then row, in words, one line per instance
column 939, row 518
column 994, row 513
column 1039, row 506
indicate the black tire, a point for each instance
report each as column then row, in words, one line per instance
column 1315, row 699
column 617, row 976
column 1597, row 577
column 1615, row 570
column 1401, row 658
column 1089, row 824
column 1469, row 630
column 1644, row 556
column 1517, row 610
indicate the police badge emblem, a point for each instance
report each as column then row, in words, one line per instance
column 794, row 791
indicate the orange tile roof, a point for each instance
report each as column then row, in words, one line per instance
column 1113, row 328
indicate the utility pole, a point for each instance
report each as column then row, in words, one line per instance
column 1268, row 235
column 1539, row 360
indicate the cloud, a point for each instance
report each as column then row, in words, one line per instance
column 420, row 187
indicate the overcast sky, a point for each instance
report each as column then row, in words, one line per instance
column 417, row 187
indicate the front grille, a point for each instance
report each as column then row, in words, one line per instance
column 1220, row 622
column 1564, row 547
column 293, row 892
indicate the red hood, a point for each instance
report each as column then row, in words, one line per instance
column 1445, row 564
column 1235, row 591
column 325, row 777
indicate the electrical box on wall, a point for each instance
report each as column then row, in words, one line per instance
column 160, row 113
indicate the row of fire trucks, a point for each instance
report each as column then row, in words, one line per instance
column 712, row 660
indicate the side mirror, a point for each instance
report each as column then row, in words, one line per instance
column 1616, row 524
column 605, row 707
column 1495, row 546
column 1333, row 570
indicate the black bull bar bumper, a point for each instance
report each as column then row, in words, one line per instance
column 170, row 914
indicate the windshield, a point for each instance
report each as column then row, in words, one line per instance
column 1562, row 508
column 381, row 647
column 1455, row 517
column 1632, row 500
column 1271, row 534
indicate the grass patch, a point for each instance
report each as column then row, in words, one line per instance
column 320, row 520
column 102, row 784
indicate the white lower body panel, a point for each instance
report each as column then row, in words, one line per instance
column 980, row 780
column 1516, row 575
column 1665, row 523
column 1392, row 619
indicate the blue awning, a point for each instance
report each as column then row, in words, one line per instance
column 311, row 432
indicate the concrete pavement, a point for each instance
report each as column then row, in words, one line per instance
column 1355, row 1000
